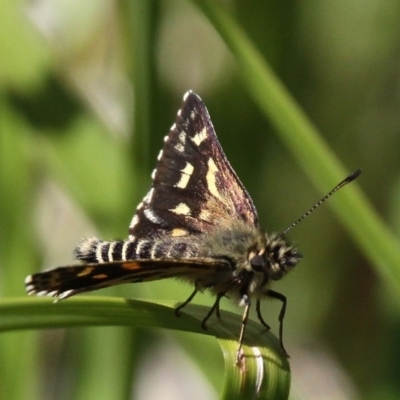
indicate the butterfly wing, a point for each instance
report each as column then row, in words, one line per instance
column 194, row 191
column 194, row 188
column 67, row 281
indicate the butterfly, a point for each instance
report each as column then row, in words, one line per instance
column 197, row 223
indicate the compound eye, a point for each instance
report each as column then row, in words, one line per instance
column 257, row 263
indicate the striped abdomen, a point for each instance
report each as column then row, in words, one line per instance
column 93, row 249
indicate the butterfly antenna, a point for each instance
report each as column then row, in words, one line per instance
column 350, row 178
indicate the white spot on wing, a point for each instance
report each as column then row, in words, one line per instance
column 181, row 209
column 149, row 196
column 173, row 127
column 159, row 155
column 134, row 221
column 182, row 137
column 178, row 232
column 185, row 176
column 30, row 289
column 205, row 215
column 211, row 180
column 65, row 294
column 153, row 174
column 180, row 146
column 186, row 95
column 200, row 137
column 149, row 214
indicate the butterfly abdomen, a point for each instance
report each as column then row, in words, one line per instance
column 94, row 250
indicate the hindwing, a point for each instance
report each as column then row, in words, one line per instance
column 69, row 280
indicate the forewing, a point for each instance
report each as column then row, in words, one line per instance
column 194, row 188
column 67, row 281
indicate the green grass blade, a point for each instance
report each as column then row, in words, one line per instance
column 263, row 373
column 312, row 153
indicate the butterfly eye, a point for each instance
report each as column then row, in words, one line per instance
column 257, row 263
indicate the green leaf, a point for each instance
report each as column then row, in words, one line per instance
column 263, row 371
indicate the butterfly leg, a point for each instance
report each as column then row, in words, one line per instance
column 185, row 303
column 215, row 307
column 217, row 310
column 260, row 318
column 282, row 298
column 247, row 303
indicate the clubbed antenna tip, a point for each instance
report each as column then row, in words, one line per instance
column 353, row 176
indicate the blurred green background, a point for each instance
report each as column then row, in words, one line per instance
column 88, row 91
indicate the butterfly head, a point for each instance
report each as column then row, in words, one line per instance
column 276, row 259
